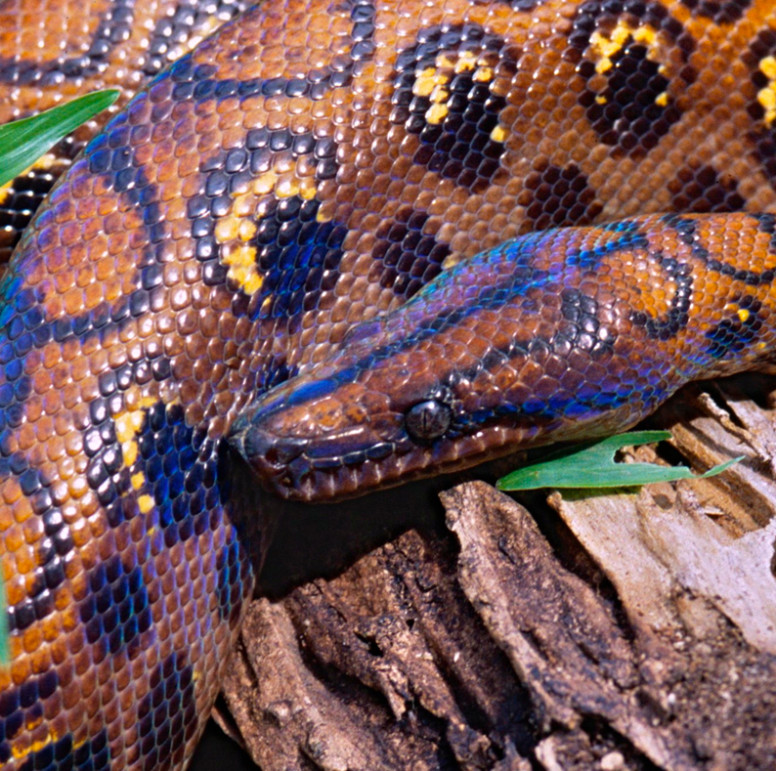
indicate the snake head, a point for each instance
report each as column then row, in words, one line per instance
column 353, row 425
column 471, row 368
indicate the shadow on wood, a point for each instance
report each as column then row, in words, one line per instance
column 630, row 630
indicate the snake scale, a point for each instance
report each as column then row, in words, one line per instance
column 285, row 185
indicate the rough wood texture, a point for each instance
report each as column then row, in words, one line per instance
column 635, row 630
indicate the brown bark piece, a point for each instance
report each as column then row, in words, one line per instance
column 632, row 630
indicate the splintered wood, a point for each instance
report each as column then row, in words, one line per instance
column 629, row 630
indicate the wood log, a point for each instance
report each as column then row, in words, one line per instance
column 629, row 630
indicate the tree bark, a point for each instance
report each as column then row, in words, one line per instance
column 631, row 630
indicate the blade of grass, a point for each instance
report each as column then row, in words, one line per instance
column 24, row 141
column 592, row 466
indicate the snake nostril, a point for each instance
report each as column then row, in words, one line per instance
column 262, row 449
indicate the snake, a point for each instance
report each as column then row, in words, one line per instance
column 334, row 245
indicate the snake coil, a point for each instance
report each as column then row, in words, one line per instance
column 299, row 181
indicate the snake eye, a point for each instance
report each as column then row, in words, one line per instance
column 428, row 420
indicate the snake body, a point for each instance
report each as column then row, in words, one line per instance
column 310, row 166
column 563, row 335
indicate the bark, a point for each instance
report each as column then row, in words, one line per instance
column 632, row 630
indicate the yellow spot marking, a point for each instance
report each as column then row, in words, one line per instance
column 767, row 96
column 483, row 75
column 287, row 187
column 436, row 113
column 427, row 81
column 265, row 183
column 129, row 452
column 466, row 62
column 23, row 752
column 243, row 205
column 661, row 100
column 742, row 314
column 307, row 188
column 247, row 229
column 499, row 134
column 127, row 425
column 767, row 99
column 145, row 503
column 439, row 94
column 247, row 278
column 241, row 261
column 605, row 47
column 768, row 67
column 238, row 228
column 645, row 34
column 227, row 229
column 323, row 216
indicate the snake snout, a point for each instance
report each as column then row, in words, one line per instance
column 321, row 446
column 271, row 452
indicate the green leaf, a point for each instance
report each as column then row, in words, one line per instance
column 24, row 141
column 592, row 466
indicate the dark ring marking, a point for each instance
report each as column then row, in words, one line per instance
column 114, row 29
column 719, row 11
column 680, row 273
column 629, row 97
column 757, row 58
column 116, row 611
column 454, row 111
column 556, row 196
column 197, row 81
column 405, row 257
column 686, row 230
column 188, row 16
column 698, row 188
column 291, row 258
column 732, row 335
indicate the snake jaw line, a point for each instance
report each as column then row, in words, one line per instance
column 310, row 165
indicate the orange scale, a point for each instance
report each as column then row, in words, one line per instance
column 41, row 384
column 26, row 562
column 26, row 436
column 32, row 640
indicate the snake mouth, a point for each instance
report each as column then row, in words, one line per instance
column 333, row 446
column 339, row 466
